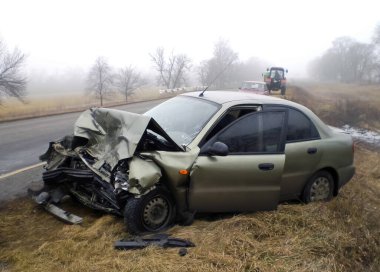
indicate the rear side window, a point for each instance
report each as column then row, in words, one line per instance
column 258, row 132
column 300, row 128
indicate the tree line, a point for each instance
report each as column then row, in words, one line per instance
column 12, row 77
column 222, row 70
column 349, row 61
column 173, row 71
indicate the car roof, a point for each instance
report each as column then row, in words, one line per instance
column 222, row 97
column 232, row 98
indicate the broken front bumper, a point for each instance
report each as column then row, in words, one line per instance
column 83, row 185
column 43, row 198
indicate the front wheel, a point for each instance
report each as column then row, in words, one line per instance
column 152, row 212
column 283, row 90
column 319, row 188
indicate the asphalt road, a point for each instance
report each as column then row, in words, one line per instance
column 21, row 142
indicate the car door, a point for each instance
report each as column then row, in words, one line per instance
column 249, row 177
column 303, row 152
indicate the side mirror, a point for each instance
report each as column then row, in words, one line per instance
column 286, row 70
column 218, row 149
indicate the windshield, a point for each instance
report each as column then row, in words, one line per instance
column 182, row 118
column 274, row 73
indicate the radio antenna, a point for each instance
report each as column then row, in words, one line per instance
column 217, row 76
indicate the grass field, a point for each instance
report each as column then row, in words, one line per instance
column 340, row 235
column 341, row 104
column 13, row 109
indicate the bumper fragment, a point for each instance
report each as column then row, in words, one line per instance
column 63, row 215
column 43, row 198
column 160, row 240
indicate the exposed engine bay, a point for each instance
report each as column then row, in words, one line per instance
column 102, row 165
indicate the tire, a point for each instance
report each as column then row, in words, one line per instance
column 152, row 212
column 283, row 90
column 320, row 187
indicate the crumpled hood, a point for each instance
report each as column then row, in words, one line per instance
column 113, row 134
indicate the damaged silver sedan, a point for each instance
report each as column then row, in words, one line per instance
column 217, row 152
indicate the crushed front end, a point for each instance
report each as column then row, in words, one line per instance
column 100, row 165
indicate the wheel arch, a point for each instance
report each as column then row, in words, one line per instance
column 335, row 177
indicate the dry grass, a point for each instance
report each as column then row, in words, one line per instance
column 13, row 109
column 341, row 235
column 340, row 104
column 336, row 91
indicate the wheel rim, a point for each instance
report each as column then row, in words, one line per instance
column 320, row 189
column 156, row 213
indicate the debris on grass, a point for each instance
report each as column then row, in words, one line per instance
column 340, row 235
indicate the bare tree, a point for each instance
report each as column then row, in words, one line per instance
column 347, row 61
column 203, row 73
column 171, row 70
column 12, row 80
column 376, row 44
column 99, row 80
column 127, row 80
column 223, row 61
column 376, row 36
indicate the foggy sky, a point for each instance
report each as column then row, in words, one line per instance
column 62, row 35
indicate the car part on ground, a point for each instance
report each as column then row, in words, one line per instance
column 160, row 240
column 45, row 200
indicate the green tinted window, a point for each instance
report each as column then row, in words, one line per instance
column 300, row 128
column 259, row 132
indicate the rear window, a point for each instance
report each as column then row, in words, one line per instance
column 300, row 127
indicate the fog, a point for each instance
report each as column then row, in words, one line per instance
column 63, row 39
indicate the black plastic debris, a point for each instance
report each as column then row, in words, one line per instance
column 161, row 240
column 182, row 251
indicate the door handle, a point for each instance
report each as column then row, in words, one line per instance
column 266, row 166
column 312, row 150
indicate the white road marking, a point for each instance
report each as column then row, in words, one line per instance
column 21, row 170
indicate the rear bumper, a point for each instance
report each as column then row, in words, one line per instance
column 345, row 175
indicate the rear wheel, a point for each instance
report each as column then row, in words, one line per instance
column 283, row 90
column 152, row 212
column 319, row 188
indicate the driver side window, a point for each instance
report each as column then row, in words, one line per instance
column 259, row 132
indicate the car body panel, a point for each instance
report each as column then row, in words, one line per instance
column 113, row 134
column 257, row 87
column 299, row 166
column 215, row 185
column 171, row 163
